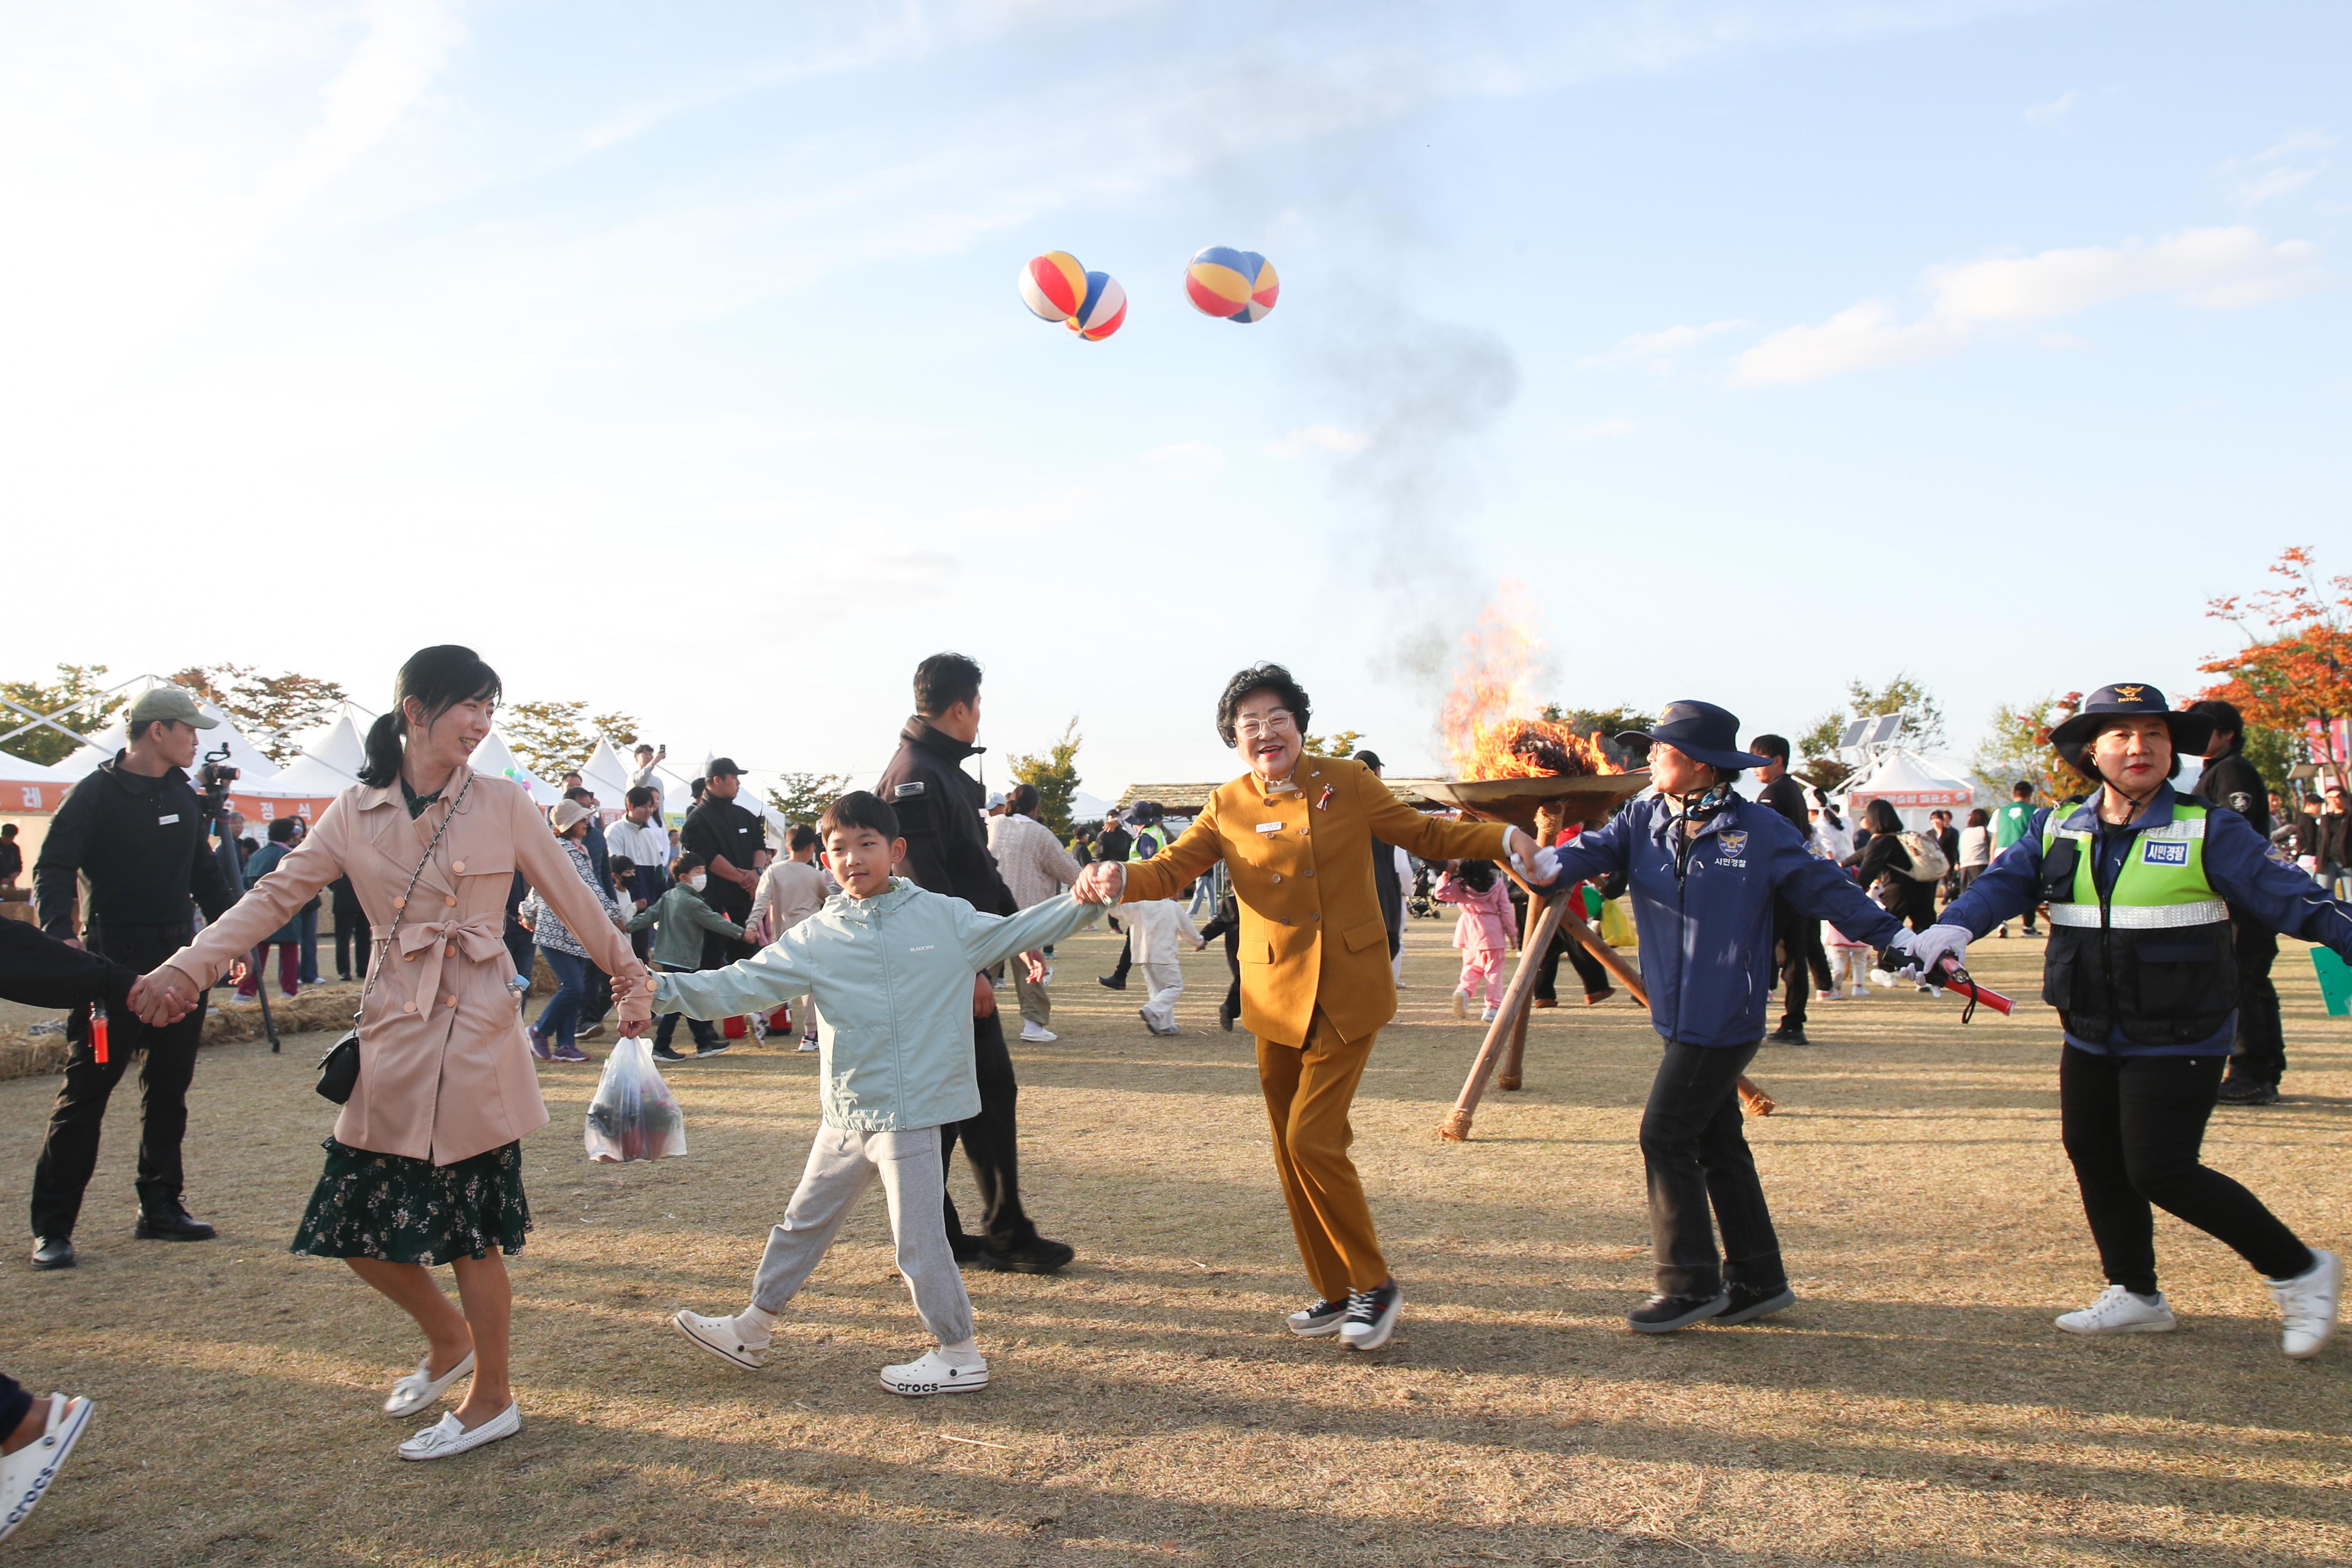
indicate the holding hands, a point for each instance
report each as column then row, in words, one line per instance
column 1100, row 883
column 163, row 995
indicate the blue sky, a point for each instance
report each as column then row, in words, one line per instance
column 672, row 356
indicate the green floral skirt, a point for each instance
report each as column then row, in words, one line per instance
column 401, row 1210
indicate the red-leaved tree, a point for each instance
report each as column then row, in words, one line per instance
column 2295, row 672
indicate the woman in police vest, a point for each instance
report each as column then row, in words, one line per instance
column 2141, row 884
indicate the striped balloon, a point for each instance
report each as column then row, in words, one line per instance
column 1238, row 285
column 1104, row 308
column 1053, row 285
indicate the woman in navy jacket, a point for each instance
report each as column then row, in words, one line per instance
column 1704, row 868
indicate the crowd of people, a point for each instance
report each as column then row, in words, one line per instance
column 886, row 921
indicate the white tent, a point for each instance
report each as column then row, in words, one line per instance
column 494, row 756
column 330, row 764
column 1913, row 785
column 27, row 787
column 606, row 774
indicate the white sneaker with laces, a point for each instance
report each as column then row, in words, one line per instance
column 2119, row 1311
column 420, row 1388
column 934, row 1373
column 722, row 1339
column 1461, row 1005
column 2308, row 1303
column 25, row 1475
column 1316, row 1322
column 447, row 1438
column 1038, row 1034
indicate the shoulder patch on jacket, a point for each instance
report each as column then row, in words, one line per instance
column 904, row 790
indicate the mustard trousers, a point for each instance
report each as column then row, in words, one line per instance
column 1308, row 1088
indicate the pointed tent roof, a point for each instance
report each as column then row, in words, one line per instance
column 330, row 765
column 1905, row 779
column 495, row 756
column 604, row 772
column 252, row 767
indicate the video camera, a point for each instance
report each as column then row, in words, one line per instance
column 213, row 781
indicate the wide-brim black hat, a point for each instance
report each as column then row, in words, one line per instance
column 2190, row 731
column 1699, row 731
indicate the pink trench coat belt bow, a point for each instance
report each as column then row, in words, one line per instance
column 445, row 1070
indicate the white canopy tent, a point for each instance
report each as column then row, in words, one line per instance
column 31, row 787
column 243, row 755
column 608, row 776
column 495, row 757
column 1913, row 784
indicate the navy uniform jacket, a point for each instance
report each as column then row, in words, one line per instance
column 1707, row 929
column 2256, row 878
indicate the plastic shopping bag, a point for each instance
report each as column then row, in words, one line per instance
column 1616, row 926
column 634, row 1115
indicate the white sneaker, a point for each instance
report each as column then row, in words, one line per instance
column 1461, row 1005
column 420, row 1388
column 1487, row 1016
column 722, row 1339
column 2119, row 1311
column 447, row 1438
column 1371, row 1317
column 2308, row 1301
column 25, row 1475
column 808, row 1042
column 1825, row 996
column 1316, row 1322
column 1038, row 1034
column 933, row 1374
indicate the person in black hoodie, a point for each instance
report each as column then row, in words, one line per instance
column 939, row 809
column 136, row 829
column 2232, row 781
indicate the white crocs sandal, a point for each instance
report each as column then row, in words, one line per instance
column 718, row 1336
column 447, row 1438
column 933, row 1374
column 25, row 1475
column 420, row 1389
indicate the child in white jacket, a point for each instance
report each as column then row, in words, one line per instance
column 1153, row 926
column 891, row 967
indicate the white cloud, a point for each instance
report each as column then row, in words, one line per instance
column 1319, row 438
column 2275, row 171
column 2215, row 269
column 1187, row 459
column 1609, row 429
column 2057, row 108
column 1657, row 348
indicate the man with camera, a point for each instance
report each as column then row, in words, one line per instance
column 136, row 829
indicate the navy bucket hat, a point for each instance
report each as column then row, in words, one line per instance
column 1699, row 731
column 2190, row 731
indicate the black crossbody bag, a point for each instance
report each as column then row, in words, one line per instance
column 339, row 1069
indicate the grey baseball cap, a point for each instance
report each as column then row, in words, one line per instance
column 171, row 703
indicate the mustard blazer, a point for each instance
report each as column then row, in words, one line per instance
column 1301, row 863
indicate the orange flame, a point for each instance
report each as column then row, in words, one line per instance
column 1486, row 718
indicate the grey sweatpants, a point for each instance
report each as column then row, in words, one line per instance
column 841, row 1166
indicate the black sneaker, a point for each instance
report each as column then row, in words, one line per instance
column 1665, row 1314
column 52, row 1252
column 1787, row 1035
column 720, row 1049
column 1111, row 982
column 2248, row 1092
column 1316, row 1321
column 1746, row 1303
column 1036, row 1255
column 1371, row 1317
column 664, row 1054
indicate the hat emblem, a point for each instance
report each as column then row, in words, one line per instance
column 2129, row 693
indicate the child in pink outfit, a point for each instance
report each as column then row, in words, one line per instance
column 1483, row 932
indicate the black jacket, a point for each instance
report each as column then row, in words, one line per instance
column 939, row 807
column 2230, row 780
column 719, row 827
column 1387, row 888
column 42, row 971
column 140, row 841
column 1787, row 797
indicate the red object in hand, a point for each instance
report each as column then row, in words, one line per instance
column 1955, row 978
column 98, row 1032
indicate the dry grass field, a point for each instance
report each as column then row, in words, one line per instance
column 1915, row 1407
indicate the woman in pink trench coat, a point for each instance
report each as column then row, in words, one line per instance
column 425, row 1166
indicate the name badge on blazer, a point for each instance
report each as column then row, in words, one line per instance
column 1269, row 827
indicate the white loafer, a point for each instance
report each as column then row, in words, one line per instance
column 719, row 1337
column 25, row 1475
column 447, row 1438
column 420, row 1389
column 933, row 1374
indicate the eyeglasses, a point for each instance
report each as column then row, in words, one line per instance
column 1254, row 727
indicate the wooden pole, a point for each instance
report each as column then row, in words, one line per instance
column 1514, row 1054
column 1456, row 1125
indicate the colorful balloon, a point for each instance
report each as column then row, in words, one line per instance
column 1104, row 308
column 1053, row 285
column 1238, row 285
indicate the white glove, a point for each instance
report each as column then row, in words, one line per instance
column 1545, row 870
column 1927, row 950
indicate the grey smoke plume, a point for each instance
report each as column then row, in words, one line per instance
column 1423, row 391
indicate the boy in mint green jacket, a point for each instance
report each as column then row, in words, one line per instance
column 889, row 967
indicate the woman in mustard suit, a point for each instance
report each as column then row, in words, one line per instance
column 1296, row 834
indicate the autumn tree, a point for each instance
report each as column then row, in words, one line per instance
column 1923, row 725
column 802, row 797
column 552, row 738
column 76, row 683
column 1342, row 744
column 2017, row 746
column 274, row 711
column 2295, row 674
column 1054, row 772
